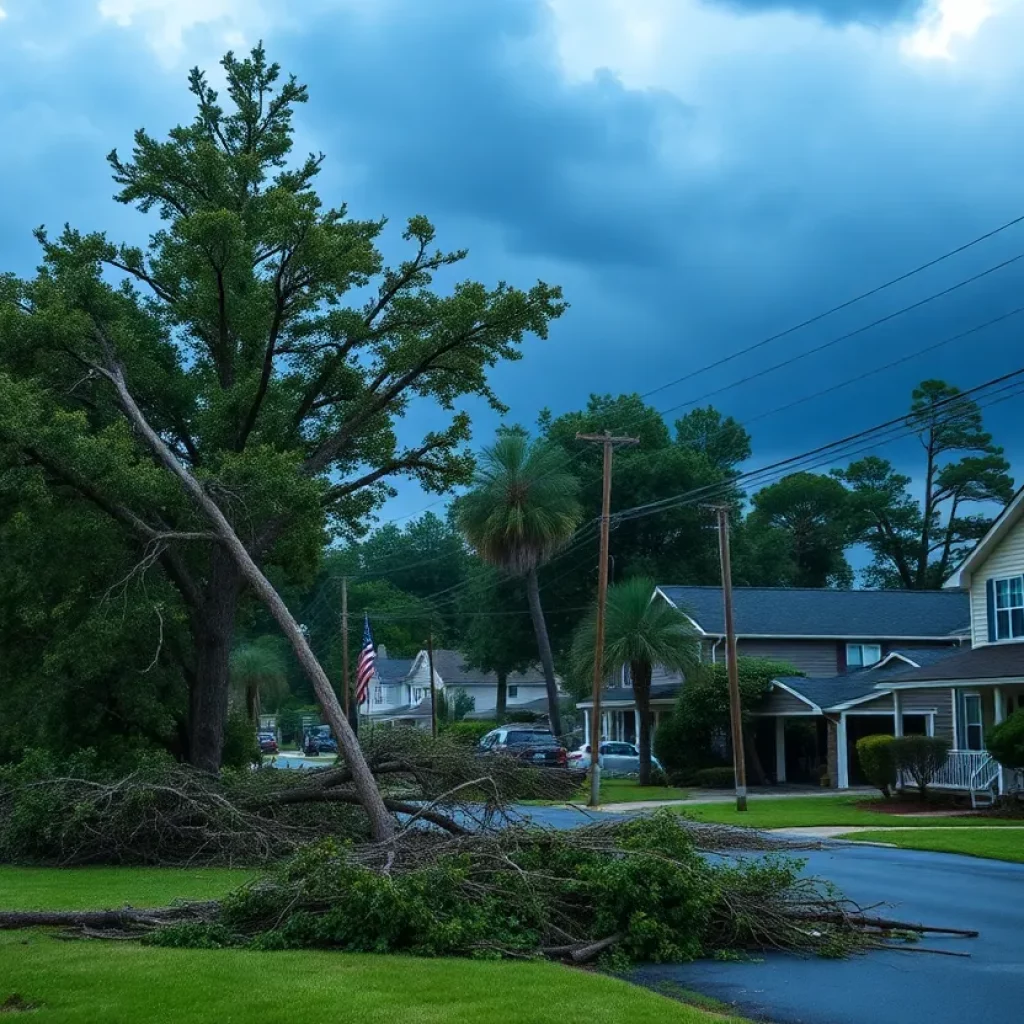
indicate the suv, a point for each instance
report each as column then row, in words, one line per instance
column 267, row 742
column 526, row 744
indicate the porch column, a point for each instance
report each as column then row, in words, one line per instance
column 780, row 749
column 636, row 724
column 588, row 713
column 897, row 713
column 842, row 755
column 997, row 717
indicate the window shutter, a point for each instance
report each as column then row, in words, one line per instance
column 990, row 600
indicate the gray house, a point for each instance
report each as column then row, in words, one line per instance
column 847, row 642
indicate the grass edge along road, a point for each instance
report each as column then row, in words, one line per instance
column 797, row 812
column 123, row 983
column 990, row 843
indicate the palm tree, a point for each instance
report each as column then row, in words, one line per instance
column 639, row 633
column 259, row 674
column 523, row 508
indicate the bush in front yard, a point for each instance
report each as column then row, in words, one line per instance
column 715, row 778
column 1005, row 741
column 878, row 762
column 920, row 757
column 469, row 733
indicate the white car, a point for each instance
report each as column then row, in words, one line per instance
column 616, row 758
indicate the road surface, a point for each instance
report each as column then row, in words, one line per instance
column 890, row 987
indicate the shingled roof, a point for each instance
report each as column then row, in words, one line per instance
column 452, row 668
column 992, row 661
column 843, row 614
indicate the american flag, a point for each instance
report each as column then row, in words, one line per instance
column 364, row 668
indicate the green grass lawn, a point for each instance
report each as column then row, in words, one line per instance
column 997, row 844
column 125, row 983
column 621, row 791
column 86, row 982
column 104, row 888
column 785, row 812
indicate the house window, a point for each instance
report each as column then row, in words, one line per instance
column 513, row 692
column 378, row 695
column 862, row 655
column 973, row 731
column 1009, row 608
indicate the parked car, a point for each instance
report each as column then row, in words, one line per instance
column 311, row 745
column 526, row 743
column 327, row 744
column 317, row 743
column 616, row 758
column 267, row 742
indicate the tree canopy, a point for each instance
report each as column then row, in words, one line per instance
column 267, row 343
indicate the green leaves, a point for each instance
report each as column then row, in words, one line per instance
column 523, row 507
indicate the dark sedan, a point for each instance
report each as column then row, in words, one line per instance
column 527, row 744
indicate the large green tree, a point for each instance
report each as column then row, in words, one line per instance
column 916, row 543
column 805, row 518
column 268, row 345
column 640, row 634
column 522, row 510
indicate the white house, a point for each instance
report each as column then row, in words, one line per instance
column 400, row 690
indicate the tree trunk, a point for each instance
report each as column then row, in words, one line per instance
column 501, row 701
column 382, row 824
column 208, row 700
column 641, row 673
column 544, row 649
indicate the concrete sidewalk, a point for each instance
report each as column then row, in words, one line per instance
column 718, row 796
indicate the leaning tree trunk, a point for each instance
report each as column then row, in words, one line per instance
column 208, row 698
column 641, row 673
column 501, row 700
column 382, row 824
column 544, row 649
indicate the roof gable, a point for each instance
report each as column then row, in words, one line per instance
column 1004, row 523
column 843, row 614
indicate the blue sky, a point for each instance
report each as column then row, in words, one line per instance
column 697, row 174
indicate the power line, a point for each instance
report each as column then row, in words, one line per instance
column 897, row 427
column 843, row 337
column 836, row 309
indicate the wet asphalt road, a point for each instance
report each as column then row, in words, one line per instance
column 891, row 987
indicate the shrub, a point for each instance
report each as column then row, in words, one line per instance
column 1005, row 741
column 715, row 778
column 241, row 747
column 469, row 733
column 920, row 757
column 878, row 762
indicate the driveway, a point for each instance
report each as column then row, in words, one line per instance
column 890, row 987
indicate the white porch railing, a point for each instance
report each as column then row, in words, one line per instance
column 962, row 770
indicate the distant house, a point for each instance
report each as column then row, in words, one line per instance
column 400, row 691
column 526, row 690
column 847, row 642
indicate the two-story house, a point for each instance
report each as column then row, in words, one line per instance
column 844, row 641
column 979, row 687
column 400, row 689
column 525, row 691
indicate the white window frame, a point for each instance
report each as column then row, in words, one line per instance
column 378, row 694
column 1009, row 609
column 863, row 648
column 968, row 724
column 512, row 692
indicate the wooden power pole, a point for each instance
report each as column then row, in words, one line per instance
column 732, row 665
column 344, row 646
column 433, row 686
column 608, row 443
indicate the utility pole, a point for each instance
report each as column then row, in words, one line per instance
column 433, row 686
column 731, row 664
column 344, row 645
column 608, row 443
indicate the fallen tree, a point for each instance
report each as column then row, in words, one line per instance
column 75, row 811
column 642, row 890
